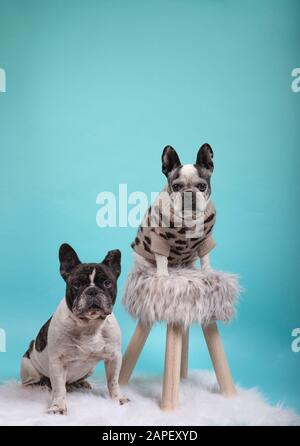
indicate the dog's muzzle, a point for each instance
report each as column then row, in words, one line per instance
column 93, row 304
column 190, row 201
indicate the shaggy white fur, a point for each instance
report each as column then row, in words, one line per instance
column 187, row 295
column 200, row 405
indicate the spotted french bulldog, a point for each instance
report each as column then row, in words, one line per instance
column 177, row 228
column 82, row 331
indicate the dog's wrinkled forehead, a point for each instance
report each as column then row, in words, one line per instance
column 91, row 274
column 187, row 174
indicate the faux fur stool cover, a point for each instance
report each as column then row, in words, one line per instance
column 187, row 295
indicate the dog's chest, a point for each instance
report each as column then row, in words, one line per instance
column 75, row 341
column 85, row 348
column 80, row 355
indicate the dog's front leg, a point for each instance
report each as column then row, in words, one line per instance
column 58, row 376
column 205, row 263
column 161, row 265
column 112, row 369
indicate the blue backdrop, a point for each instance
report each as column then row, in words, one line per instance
column 95, row 90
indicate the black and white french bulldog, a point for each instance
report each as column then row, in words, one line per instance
column 82, row 331
column 177, row 228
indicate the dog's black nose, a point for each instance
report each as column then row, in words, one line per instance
column 95, row 306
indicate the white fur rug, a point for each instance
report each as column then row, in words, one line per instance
column 200, row 404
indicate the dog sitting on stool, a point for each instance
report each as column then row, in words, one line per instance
column 177, row 228
column 165, row 285
column 82, row 331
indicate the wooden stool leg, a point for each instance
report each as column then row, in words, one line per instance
column 133, row 351
column 184, row 355
column 219, row 360
column 172, row 368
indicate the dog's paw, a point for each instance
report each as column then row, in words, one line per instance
column 60, row 409
column 123, row 400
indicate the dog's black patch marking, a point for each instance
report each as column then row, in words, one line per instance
column 44, row 382
column 185, row 259
column 178, row 249
column 161, row 234
column 170, row 235
column 135, row 243
column 146, row 247
column 80, row 384
column 30, row 348
column 210, row 229
column 180, row 242
column 42, row 337
column 196, row 244
column 209, row 218
column 148, row 240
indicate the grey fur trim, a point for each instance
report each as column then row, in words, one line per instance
column 187, row 295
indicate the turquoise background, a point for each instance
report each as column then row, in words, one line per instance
column 95, row 90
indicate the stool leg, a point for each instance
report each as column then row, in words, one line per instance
column 133, row 351
column 219, row 360
column 172, row 368
column 184, row 355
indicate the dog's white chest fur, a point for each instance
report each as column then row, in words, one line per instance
column 79, row 345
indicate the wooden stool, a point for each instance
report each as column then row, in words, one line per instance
column 185, row 296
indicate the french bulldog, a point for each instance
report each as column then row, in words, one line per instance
column 177, row 228
column 81, row 332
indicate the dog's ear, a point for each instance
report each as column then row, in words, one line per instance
column 68, row 260
column 170, row 160
column 205, row 158
column 113, row 261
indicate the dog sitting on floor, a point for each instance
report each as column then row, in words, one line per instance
column 177, row 228
column 82, row 331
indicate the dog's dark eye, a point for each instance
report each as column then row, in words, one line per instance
column 107, row 284
column 202, row 187
column 76, row 286
column 176, row 187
